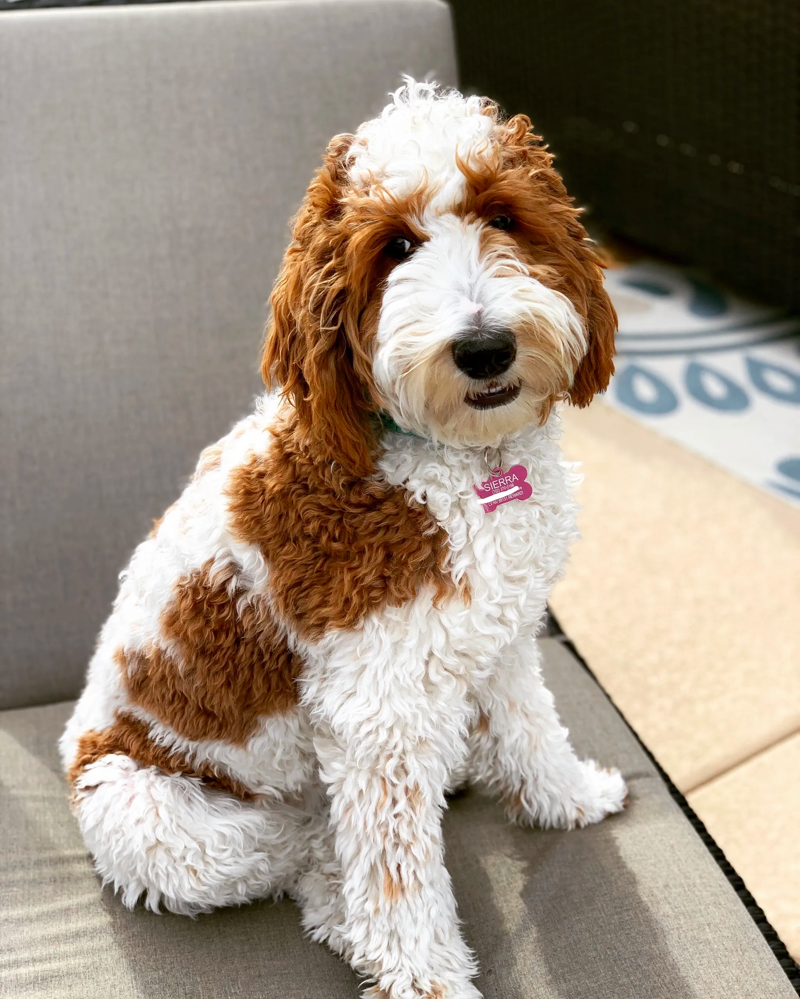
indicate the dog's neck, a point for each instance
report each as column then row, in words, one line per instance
column 388, row 423
column 520, row 446
column 387, row 436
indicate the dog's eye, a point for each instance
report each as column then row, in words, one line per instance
column 504, row 222
column 399, row 248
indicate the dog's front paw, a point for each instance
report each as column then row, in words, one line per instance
column 606, row 793
column 455, row 988
column 594, row 793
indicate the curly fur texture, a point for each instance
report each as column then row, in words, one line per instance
column 328, row 631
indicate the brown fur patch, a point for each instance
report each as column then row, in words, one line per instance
column 130, row 736
column 325, row 310
column 233, row 665
column 482, row 725
column 414, row 798
column 395, row 888
column 313, row 332
column 339, row 548
column 392, row 887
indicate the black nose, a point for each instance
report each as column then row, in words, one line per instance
column 485, row 354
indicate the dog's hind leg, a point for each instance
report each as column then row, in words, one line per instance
column 178, row 844
column 318, row 892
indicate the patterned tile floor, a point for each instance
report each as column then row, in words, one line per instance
column 716, row 372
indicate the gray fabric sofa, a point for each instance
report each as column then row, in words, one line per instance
column 151, row 157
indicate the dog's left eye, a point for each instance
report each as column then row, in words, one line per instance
column 504, row 222
column 399, row 248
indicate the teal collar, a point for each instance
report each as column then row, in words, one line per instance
column 389, row 424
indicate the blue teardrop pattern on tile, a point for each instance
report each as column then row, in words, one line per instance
column 651, row 287
column 713, row 389
column 763, row 375
column 644, row 391
column 789, row 468
column 706, row 301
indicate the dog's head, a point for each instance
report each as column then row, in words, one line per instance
column 438, row 271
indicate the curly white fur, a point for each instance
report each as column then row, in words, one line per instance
column 416, row 141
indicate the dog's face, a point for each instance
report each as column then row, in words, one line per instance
column 439, row 272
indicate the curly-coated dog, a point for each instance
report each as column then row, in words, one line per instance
column 334, row 625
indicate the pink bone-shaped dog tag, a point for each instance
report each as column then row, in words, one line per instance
column 503, row 487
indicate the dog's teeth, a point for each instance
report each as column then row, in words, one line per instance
column 478, row 398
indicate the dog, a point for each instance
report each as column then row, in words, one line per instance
column 335, row 624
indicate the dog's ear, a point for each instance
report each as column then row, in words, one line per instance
column 580, row 266
column 597, row 366
column 307, row 350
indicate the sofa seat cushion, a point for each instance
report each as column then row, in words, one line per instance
column 633, row 907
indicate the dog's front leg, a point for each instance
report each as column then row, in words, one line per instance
column 520, row 750
column 388, row 731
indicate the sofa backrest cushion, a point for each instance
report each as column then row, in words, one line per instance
column 151, row 159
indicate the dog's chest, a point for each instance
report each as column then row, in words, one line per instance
column 510, row 557
column 505, row 558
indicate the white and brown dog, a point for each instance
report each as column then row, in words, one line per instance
column 332, row 627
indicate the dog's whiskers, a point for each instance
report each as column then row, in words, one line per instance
column 413, row 368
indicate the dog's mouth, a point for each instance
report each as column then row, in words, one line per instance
column 493, row 395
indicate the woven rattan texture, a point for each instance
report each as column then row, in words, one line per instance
column 676, row 121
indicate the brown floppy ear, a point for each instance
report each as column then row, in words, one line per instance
column 307, row 351
column 597, row 366
column 572, row 255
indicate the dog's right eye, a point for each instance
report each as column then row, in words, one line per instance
column 502, row 222
column 398, row 248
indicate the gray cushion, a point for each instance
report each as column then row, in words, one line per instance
column 151, row 157
column 634, row 907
